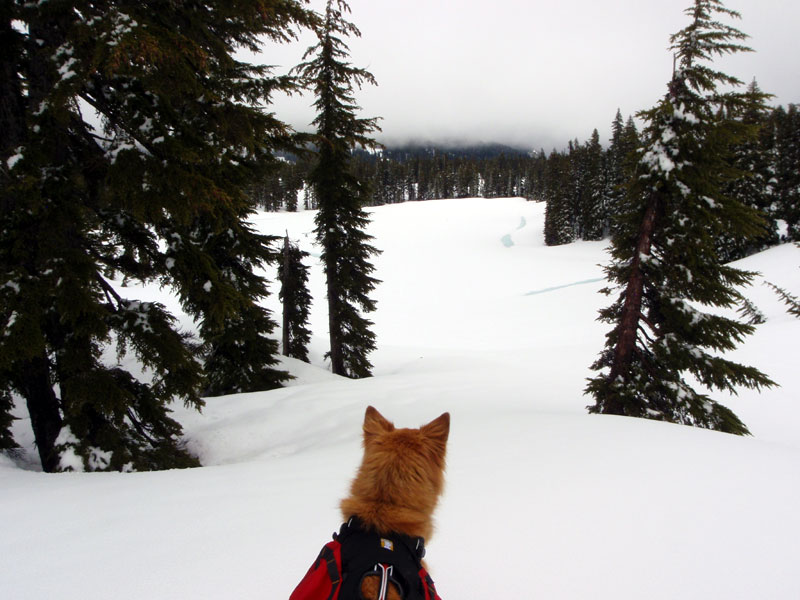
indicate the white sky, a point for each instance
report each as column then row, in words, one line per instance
column 533, row 73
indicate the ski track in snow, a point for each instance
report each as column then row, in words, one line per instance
column 566, row 285
column 507, row 240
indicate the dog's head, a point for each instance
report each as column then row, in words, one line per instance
column 402, row 467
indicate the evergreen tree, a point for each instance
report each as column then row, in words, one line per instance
column 665, row 260
column 576, row 182
column 753, row 159
column 538, row 171
column 558, row 218
column 787, row 173
column 296, row 298
column 154, row 192
column 630, row 141
column 617, row 173
column 341, row 220
column 6, row 438
column 625, row 152
column 594, row 203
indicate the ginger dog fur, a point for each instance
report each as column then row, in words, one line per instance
column 399, row 482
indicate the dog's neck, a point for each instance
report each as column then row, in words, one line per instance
column 388, row 518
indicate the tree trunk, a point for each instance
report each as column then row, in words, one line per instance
column 632, row 307
column 286, row 276
column 337, row 362
column 43, row 406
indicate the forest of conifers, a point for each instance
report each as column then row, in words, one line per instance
column 580, row 183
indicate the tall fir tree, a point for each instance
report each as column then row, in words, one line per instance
column 615, row 173
column 665, row 262
column 787, row 173
column 559, row 216
column 296, row 299
column 341, row 220
column 130, row 135
column 619, row 165
column 594, row 199
column 753, row 158
column 629, row 143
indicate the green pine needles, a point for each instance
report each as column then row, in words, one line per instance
column 130, row 134
column 341, row 219
column 666, row 267
column 296, row 300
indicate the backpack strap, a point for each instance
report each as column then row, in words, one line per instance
column 427, row 584
column 333, row 563
column 322, row 582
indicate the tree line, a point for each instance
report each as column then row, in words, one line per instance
column 582, row 184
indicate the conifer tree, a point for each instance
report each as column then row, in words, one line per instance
column 665, row 262
column 787, row 173
column 130, row 133
column 296, row 299
column 753, row 158
column 6, row 438
column 625, row 154
column 341, row 220
column 594, row 209
column 575, row 189
column 617, row 128
column 559, row 217
column 617, row 172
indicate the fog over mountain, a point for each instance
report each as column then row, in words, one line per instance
column 529, row 73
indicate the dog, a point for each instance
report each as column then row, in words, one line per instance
column 388, row 515
column 398, row 484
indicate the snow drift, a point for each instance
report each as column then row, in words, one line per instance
column 477, row 317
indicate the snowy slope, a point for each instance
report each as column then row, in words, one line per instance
column 476, row 317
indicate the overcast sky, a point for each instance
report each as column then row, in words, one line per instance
column 533, row 73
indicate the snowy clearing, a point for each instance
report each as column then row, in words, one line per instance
column 477, row 317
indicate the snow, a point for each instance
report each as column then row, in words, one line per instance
column 657, row 158
column 14, row 158
column 11, row 320
column 117, row 147
column 682, row 113
column 142, row 312
column 66, row 71
column 99, row 458
column 69, row 459
column 13, row 285
column 542, row 500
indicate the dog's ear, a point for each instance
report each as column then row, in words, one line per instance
column 437, row 430
column 375, row 423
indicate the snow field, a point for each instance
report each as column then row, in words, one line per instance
column 542, row 499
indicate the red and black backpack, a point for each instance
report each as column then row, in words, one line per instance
column 355, row 553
